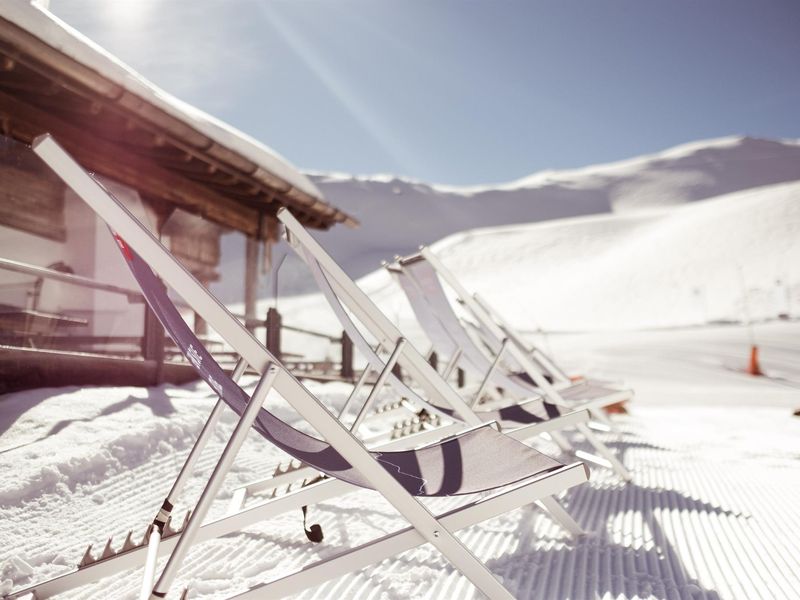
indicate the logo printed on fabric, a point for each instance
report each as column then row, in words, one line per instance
column 215, row 385
column 126, row 251
column 194, row 356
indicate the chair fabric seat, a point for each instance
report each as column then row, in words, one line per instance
column 434, row 312
column 517, row 415
column 477, row 460
column 586, row 392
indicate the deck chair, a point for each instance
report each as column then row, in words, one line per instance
column 478, row 460
column 523, row 420
column 502, row 356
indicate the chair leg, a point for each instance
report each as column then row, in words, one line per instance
column 605, row 452
column 561, row 441
column 560, row 515
column 212, row 487
column 600, row 416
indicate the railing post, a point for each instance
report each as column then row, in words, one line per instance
column 347, row 371
column 397, row 372
column 274, row 332
column 153, row 343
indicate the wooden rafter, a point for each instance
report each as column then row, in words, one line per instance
column 144, row 131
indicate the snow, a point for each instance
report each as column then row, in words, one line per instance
column 397, row 215
column 714, row 260
column 58, row 34
column 729, row 259
column 708, row 514
column 713, row 451
column 655, row 292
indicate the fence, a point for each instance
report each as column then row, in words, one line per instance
column 30, row 327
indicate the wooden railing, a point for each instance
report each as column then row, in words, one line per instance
column 153, row 344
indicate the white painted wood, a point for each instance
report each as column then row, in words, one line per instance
column 548, row 390
column 357, row 387
column 325, row 283
column 408, row 538
column 378, row 385
column 368, row 314
column 451, row 364
column 205, row 434
column 605, row 452
column 149, row 575
column 488, row 316
column 561, row 516
column 315, row 413
column 211, row 489
column 487, row 378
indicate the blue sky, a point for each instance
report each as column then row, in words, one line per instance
column 465, row 91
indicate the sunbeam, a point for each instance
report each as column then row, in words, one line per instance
column 361, row 112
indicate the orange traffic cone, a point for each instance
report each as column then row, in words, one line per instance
column 754, row 368
column 618, row 408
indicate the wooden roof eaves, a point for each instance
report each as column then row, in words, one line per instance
column 178, row 133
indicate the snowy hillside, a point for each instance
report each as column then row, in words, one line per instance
column 726, row 259
column 721, row 259
column 397, row 215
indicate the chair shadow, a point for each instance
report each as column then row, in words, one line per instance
column 587, row 567
column 157, row 400
column 645, row 566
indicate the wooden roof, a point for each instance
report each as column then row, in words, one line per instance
column 139, row 141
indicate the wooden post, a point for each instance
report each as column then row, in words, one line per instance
column 397, row 371
column 200, row 326
column 154, row 336
column 153, row 343
column 346, row 371
column 274, row 332
column 252, row 248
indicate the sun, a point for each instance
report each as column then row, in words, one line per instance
column 127, row 13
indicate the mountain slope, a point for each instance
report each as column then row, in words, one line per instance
column 723, row 258
column 397, row 215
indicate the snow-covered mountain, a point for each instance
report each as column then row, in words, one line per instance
column 734, row 257
column 397, row 214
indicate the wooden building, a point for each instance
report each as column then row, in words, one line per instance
column 188, row 175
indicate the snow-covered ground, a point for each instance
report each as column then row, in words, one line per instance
column 651, row 286
column 709, row 514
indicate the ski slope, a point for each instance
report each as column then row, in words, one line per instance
column 707, row 516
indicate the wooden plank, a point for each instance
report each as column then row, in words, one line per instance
column 129, row 169
column 62, row 72
column 55, row 66
column 25, row 368
column 32, row 200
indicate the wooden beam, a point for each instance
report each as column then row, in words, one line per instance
column 134, row 171
column 50, row 63
column 252, row 248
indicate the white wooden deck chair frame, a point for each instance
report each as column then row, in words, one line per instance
column 334, row 284
column 549, row 391
column 531, row 359
column 424, row 527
